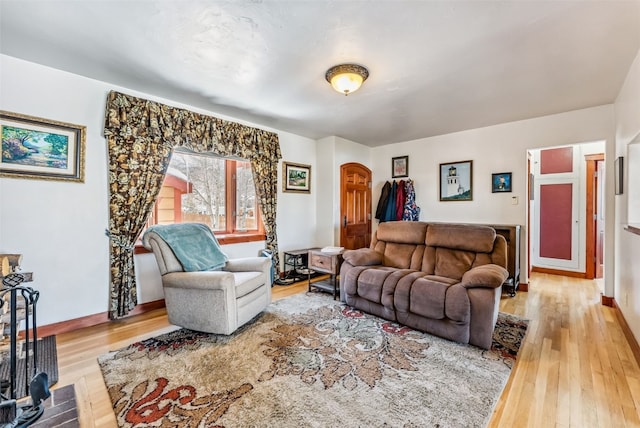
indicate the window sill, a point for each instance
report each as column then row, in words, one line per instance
column 237, row 238
column 231, row 238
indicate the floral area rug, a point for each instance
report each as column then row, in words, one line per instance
column 309, row 361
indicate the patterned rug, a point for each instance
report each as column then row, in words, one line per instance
column 314, row 362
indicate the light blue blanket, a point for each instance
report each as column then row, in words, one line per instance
column 194, row 245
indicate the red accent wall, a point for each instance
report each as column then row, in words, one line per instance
column 554, row 161
column 556, row 220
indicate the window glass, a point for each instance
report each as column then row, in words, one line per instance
column 211, row 190
column 246, row 204
column 205, row 200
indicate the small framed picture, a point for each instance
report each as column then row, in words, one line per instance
column 400, row 167
column 618, row 166
column 296, row 177
column 456, row 181
column 37, row 148
column 501, row 182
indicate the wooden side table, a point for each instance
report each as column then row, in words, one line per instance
column 326, row 263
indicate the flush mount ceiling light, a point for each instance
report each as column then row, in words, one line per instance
column 346, row 78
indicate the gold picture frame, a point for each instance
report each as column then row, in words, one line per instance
column 44, row 149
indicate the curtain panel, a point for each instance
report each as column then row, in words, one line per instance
column 141, row 135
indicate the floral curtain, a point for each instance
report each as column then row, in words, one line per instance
column 141, row 135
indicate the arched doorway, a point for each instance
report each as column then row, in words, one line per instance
column 355, row 206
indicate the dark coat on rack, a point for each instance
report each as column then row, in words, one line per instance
column 382, row 202
column 390, row 211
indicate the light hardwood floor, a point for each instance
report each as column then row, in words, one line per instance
column 575, row 368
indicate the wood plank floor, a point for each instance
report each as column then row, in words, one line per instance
column 575, row 369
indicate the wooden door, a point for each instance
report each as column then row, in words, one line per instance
column 600, row 220
column 595, row 216
column 355, row 206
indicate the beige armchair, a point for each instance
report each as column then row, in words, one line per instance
column 217, row 301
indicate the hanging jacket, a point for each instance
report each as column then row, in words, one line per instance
column 390, row 210
column 400, row 200
column 411, row 210
column 382, row 202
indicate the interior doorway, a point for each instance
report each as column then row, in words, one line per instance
column 565, row 226
column 355, row 206
column 595, row 215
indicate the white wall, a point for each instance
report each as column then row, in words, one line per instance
column 296, row 214
column 332, row 152
column 325, row 191
column 59, row 227
column 500, row 148
column 627, row 248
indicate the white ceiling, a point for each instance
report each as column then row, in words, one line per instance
column 435, row 66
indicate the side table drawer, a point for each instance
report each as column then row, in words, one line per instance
column 322, row 262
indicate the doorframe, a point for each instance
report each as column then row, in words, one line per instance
column 530, row 194
column 343, row 168
column 591, row 169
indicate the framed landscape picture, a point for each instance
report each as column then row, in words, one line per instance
column 296, row 177
column 37, row 148
column 456, row 181
column 501, row 182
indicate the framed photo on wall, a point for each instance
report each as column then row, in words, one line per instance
column 501, row 182
column 618, row 166
column 400, row 167
column 456, row 181
column 37, row 148
column 296, row 177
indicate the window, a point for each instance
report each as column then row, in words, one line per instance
column 215, row 191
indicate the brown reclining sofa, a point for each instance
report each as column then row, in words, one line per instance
column 444, row 279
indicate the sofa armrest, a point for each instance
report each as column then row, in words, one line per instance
column 202, row 280
column 248, row 264
column 363, row 257
column 486, row 276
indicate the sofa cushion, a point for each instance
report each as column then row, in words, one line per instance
column 402, row 232
column 371, row 284
column 432, row 297
column 478, row 239
column 457, row 304
column 403, row 256
column 246, row 282
column 428, row 298
column 453, row 263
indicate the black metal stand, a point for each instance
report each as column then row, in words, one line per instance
column 298, row 261
column 37, row 385
column 510, row 287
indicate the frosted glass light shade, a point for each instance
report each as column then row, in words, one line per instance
column 346, row 78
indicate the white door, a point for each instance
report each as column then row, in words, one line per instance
column 556, row 228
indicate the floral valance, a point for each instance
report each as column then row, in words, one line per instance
column 183, row 128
